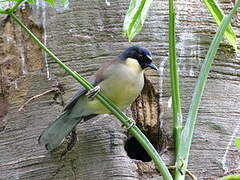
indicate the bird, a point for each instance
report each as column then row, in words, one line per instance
column 121, row 80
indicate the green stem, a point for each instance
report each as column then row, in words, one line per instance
column 176, row 102
column 198, row 91
column 134, row 130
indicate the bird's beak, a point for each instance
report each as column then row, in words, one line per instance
column 152, row 66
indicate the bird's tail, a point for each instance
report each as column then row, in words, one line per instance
column 53, row 136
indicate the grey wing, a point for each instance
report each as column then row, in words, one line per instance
column 75, row 98
column 94, row 80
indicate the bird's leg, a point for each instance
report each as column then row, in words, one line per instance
column 93, row 92
column 132, row 122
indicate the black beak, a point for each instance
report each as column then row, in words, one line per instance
column 152, row 66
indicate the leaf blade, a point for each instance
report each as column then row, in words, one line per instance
column 135, row 17
column 51, row 2
column 218, row 16
column 237, row 143
column 64, row 3
column 231, row 177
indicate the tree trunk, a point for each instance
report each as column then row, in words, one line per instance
column 84, row 35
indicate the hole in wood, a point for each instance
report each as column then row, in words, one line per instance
column 146, row 113
column 135, row 150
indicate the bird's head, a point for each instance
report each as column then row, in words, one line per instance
column 141, row 54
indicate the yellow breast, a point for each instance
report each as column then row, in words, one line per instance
column 122, row 87
column 133, row 64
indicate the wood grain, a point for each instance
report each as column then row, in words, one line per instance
column 84, row 35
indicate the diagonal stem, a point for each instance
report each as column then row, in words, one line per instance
column 134, row 130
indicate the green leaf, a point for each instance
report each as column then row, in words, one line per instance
column 31, row 1
column 64, row 2
column 51, row 2
column 7, row 0
column 231, row 177
column 135, row 17
column 237, row 143
column 218, row 16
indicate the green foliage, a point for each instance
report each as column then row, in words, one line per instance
column 231, row 177
column 64, row 2
column 29, row 1
column 51, row 2
column 135, row 17
column 9, row 1
column 237, row 143
column 218, row 16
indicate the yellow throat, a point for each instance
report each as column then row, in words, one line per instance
column 133, row 64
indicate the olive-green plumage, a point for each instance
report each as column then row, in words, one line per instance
column 121, row 80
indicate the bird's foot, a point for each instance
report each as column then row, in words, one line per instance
column 93, row 92
column 131, row 123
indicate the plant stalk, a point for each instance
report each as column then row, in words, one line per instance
column 176, row 101
column 134, row 130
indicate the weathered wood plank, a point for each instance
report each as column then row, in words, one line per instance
column 84, row 35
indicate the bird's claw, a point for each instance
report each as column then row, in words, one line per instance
column 132, row 123
column 93, row 92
